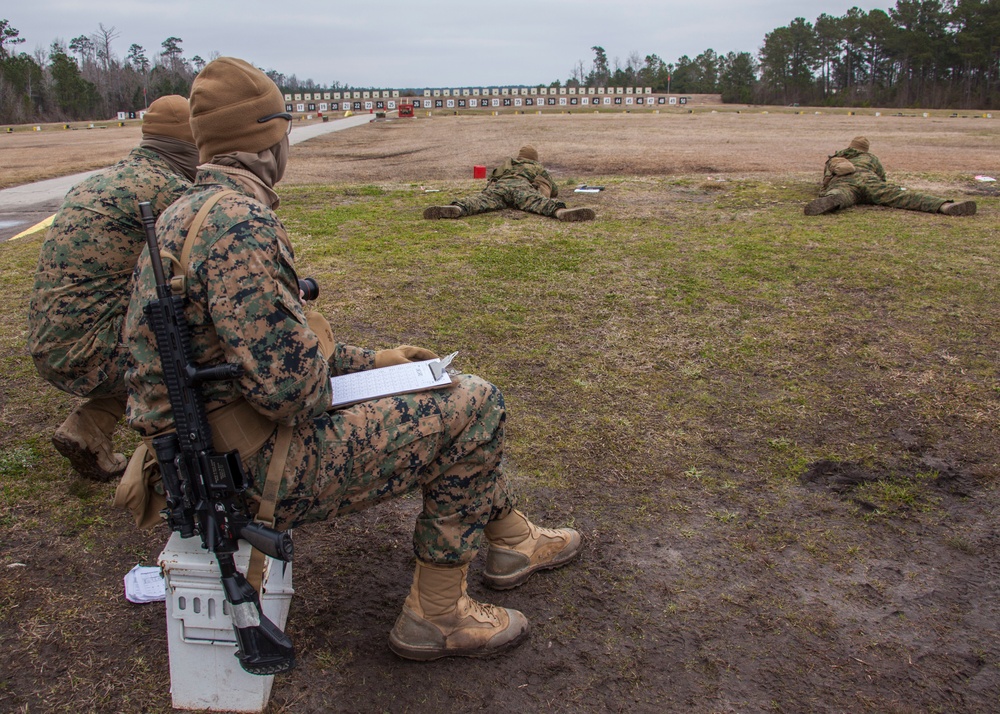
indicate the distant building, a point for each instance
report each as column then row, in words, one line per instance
column 489, row 98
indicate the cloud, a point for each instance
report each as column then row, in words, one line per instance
column 435, row 43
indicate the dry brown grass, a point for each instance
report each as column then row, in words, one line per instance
column 740, row 141
column 27, row 156
column 578, row 146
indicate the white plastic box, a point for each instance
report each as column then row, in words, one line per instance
column 204, row 671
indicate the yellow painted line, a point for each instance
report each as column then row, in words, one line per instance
column 37, row 227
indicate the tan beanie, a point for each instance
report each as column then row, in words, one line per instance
column 528, row 152
column 227, row 98
column 169, row 116
column 860, row 143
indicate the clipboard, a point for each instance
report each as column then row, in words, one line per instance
column 403, row 378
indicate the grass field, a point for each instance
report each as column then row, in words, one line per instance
column 778, row 435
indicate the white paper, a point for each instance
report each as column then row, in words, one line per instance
column 145, row 583
column 375, row 383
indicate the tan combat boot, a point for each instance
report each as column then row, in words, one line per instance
column 959, row 208
column 435, row 212
column 517, row 548
column 821, row 205
column 85, row 438
column 439, row 619
column 570, row 215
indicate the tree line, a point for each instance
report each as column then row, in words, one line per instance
column 86, row 79
column 920, row 53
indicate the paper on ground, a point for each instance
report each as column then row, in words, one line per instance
column 145, row 583
column 375, row 383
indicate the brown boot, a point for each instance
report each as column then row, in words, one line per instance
column 823, row 204
column 518, row 548
column 85, row 438
column 570, row 215
column 439, row 619
column 435, row 212
column 959, row 208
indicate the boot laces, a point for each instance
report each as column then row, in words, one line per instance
column 484, row 610
column 554, row 533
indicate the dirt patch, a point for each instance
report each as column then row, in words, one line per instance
column 716, row 577
column 580, row 146
column 731, row 141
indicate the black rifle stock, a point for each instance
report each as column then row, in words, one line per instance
column 205, row 489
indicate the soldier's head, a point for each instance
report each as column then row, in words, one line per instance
column 527, row 152
column 859, row 143
column 237, row 108
column 166, row 129
column 169, row 116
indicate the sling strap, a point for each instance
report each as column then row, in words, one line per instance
column 268, row 500
column 246, row 430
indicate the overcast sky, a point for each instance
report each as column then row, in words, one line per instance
column 422, row 43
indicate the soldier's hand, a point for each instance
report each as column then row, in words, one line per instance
column 401, row 355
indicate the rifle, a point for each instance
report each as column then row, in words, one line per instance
column 205, row 489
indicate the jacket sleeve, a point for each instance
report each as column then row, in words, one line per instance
column 552, row 184
column 253, row 300
column 879, row 169
column 348, row 358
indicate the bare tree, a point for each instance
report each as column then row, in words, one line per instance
column 102, row 41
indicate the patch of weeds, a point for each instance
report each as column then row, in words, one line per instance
column 693, row 370
column 17, row 461
column 961, row 544
column 725, row 516
column 22, row 473
column 364, row 191
column 780, row 443
column 894, row 497
column 327, row 659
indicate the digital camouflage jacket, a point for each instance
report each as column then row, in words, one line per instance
column 862, row 161
column 517, row 170
column 83, row 281
column 242, row 307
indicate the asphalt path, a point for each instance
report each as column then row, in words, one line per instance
column 22, row 208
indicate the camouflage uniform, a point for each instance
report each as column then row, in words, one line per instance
column 84, row 276
column 868, row 185
column 515, row 184
column 243, row 307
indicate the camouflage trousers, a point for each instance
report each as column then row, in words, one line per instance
column 446, row 442
column 864, row 187
column 509, row 194
column 92, row 366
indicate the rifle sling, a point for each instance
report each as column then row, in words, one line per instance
column 268, row 500
column 238, row 425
